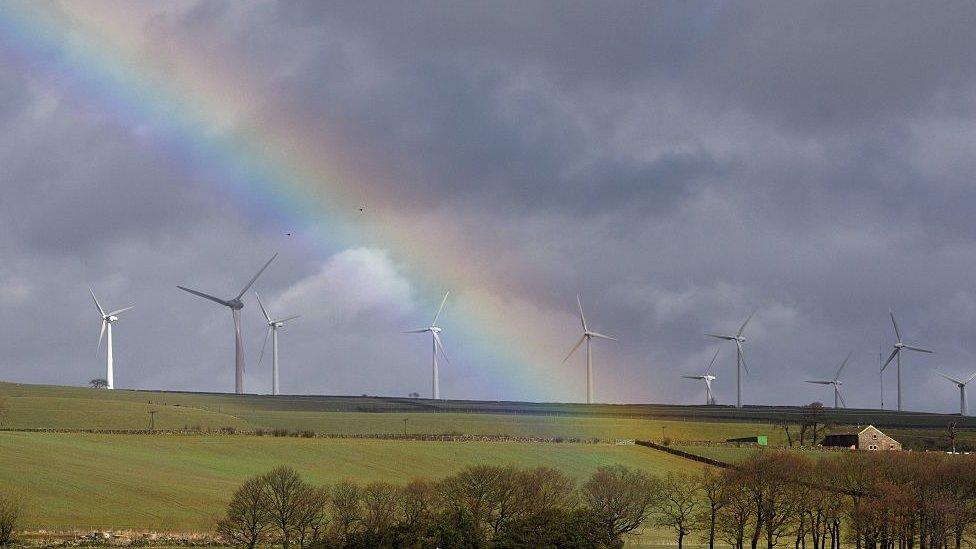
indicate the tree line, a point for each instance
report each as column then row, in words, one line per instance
column 771, row 499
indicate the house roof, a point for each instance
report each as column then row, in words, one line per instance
column 852, row 431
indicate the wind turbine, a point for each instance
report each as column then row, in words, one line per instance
column 708, row 379
column 587, row 336
column 740, row 360
column 235, row 304
column 273, row 326
column 437, row 346
column 107, row 320
column 896, row 353
column 963, row 411
column 836, row 382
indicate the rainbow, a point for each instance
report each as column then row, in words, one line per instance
column 203, row 115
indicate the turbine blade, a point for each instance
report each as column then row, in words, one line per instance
column 579, row 304
column 602, row 336
column 267, row 333
column 420, row 331
column 263, row 310
column 972, row 377
column 248, row 287
column 100, row 335
column 440, row 347
column 841, row 396
column 205, row 296
column 919, row 349
column 100, row 310
column 818, row 381
column 573, row 350
column 890, row 358
column 287, row 318
column 956, row 381
column 441, row 308
column 713, row 361
column 122, row 310
column 895, row 324
column 693, row 377
column 743, row 327
column 842, row 365
column 727, row 338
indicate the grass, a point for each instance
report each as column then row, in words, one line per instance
column 180, row 483
column 49, row 407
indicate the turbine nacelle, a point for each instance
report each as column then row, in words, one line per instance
column 236, row 304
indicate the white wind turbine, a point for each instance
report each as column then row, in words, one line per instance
column 963, row 410
column 273, row 326
column 835, row 383
column 708, row 379
column 235, row 304
column 896, row 353
column 587, row 336
column 437, row 346
column 107, row 320
column 740, row 360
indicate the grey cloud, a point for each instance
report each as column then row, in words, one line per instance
column 678, row 165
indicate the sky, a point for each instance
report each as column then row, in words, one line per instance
column 677, row 164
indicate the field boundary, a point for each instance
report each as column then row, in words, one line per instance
column 685, row 455
column 421, row 437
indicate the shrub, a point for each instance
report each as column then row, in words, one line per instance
column 11, row 511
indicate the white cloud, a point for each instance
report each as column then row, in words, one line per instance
column 351, row 283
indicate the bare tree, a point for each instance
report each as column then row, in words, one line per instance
column 678, row 505
column 715, row 496
column 98, row 383
column 544, row 490
column 346, row 508
column 246, row 522
column 310, row 515
column 420, row 500
column 622, row 497
column 379, row 504
column 284, row 489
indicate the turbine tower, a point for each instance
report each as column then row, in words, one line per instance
column 740, row 360
column 896, row 354
column 437, row 347
column 273, row 326
column 963, row 410
column 835, row 383
column 587, row 336
column 107, row 320
column 235, row 304
column 708, row 379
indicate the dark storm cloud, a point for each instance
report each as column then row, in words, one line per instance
column 678, row 164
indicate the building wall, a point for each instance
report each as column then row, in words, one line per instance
column 873, row 439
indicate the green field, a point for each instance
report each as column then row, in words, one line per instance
column 179, row 483
column 47, row 407
column 77, row 480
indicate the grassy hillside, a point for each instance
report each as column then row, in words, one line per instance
column 48, row 407
column 168, row 482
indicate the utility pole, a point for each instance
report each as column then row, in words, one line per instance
column 404, row 426
column 152, row 420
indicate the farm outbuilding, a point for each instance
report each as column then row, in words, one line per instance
column 870, row 438
column 760, row 440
